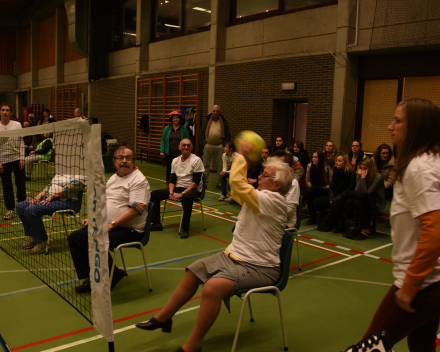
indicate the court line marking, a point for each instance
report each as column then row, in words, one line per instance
column 352, row 280
column 158, row 179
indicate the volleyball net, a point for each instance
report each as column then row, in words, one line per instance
column 52, row 178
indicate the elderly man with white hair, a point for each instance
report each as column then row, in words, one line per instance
column 251, row 260
column 212, row 138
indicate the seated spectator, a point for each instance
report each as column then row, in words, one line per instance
column 228, row 157
column 185, row 184
column 318, row 178
column 29, row 141
column 280, row 144
column 356, row 155
column 368, row 198
column 128, row 194
column 297, row 168
column 386, row 165
column 32, row 120
column 251, row 260
column 43, row 151
column 60, row 194
column 301, row 153
column 343, row 179
column 330, row 151
column 47, row 118
column 292, row 197
column 265, row 153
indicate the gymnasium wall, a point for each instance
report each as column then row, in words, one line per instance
column 246, row 94
column 113, row 103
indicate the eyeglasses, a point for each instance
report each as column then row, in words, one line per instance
column 355, row 146
column 120, row 158
column 385, row 153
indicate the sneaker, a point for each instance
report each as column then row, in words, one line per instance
column 9, row 215
column 156, row 227
column 29, row 244
column 84, row 287
column 230, row 200
column 39, row 248
column 222, row 198
column 118, row 275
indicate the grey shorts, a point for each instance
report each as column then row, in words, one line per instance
column 244, row 275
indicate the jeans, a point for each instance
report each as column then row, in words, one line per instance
column 208, row 153
column 224, row 183
column 79, row 247
column 187, row 202
column 20, row 183
column 310, row 194
column 30, row 216
column 29, row 163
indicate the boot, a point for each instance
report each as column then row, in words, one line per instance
column 340, row 228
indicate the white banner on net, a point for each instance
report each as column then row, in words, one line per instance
column 98, row 233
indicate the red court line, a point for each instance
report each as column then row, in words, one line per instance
column 316, row 261
column 37, row 343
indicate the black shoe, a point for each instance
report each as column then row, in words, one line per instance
column 85, row 287
column 184, row 234
column 153, row 324
column 311, row 221
column 182, row 350
column 156, row 227
column 339, row 229
column 118, row 275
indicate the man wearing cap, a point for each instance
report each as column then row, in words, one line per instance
column 171, row 137
column 212, row 138
column 186, row 184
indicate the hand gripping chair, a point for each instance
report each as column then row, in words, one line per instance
column 295, row 229
column 199, row 200
column 139, row 245
column 285, row 256
column 75, row 216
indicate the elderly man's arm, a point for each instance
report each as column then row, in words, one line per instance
column 241, row 191
column 197, row 177
column 125, row 217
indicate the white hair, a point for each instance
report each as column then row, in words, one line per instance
column 216, row 106
column 283, row 174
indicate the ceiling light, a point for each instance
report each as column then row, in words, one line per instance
column 267, row 10
column 171, row 25
column 130, row 33
column 208, row 11
column 199, row 9
column 167, row 1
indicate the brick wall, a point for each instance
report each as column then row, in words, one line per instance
column 113, row 103
column 249, row 95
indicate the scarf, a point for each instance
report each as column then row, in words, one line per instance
column 209, row 126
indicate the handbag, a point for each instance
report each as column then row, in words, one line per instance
column 375, row 343
column 324, row 221
column 351, row 229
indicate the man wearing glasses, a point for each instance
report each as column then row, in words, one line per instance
column 128, row 194
column 186, row 184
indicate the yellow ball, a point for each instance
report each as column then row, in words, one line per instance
column 250, row 141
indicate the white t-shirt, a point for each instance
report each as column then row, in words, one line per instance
column 184, row 170
column 292, row 199
column 132, row 190
column 257, row 237
column 11, row 148
column 417, row 194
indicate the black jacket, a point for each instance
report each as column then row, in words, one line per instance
column 202, row 138
column 341, row 181
column 359, row 158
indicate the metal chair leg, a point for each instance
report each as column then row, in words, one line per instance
column 164, row 207
column 283, row 327
column 250, row 310
column 203, row 216
column 123, row 261
column 237, row 332
column 297, row 250
column 50, row 235
column 146, row 269
column 113, row 266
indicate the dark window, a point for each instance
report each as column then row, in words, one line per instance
column 297, row 4
column 124, row 24
column 253, row 7
column 169, row 17
column 198, row 14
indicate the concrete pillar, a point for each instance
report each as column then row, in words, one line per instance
column 34, row 56
column 60, row 17
column 217, row 44
column 143, row 34
column 345, row 82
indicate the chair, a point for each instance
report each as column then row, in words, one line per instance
column 74, row 212
column 285, row 256
column 296, row 229
column 199, row 199
column 139, row 245
column 48, row 164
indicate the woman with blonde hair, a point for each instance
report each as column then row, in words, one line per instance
column 330, row 151
column 368, row 198
column 343, row 179
column 411, row 308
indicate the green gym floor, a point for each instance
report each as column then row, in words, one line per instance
column 327, row 306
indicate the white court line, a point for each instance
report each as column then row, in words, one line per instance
column 341, row 279
column 339, row 261
column 93, row 338
column 325, row 249
column 158, row 179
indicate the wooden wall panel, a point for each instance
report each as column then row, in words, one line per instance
column 69, row 53
column 46, row 42
column 7, row 52
column 24, row 57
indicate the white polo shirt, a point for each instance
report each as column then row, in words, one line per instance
column 184, row 170
column 132, row 190
column 11, row 148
